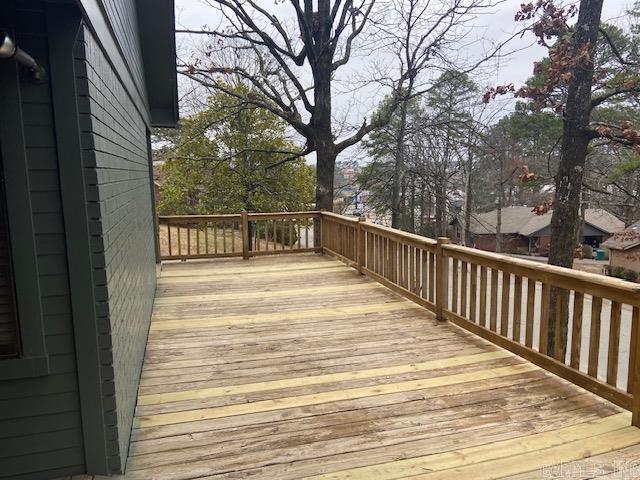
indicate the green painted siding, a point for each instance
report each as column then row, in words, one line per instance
column 40, row 427
column 124, row 21
column 116, row 159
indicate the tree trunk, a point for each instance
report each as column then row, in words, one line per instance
column 441, row 209
column 499, row 207
column 575, row 141
column 423, row 207
column 466, row 227
column 325, row 169
column 397, row 198
column 499, row 222
column 321, row 119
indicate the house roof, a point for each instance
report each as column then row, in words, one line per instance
column 522, row 221
column 626, row 239
column 513, row 219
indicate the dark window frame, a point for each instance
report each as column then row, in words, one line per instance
column 33, row 360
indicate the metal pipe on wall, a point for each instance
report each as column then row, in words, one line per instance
column 9, row 49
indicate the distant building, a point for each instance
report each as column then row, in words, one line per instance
column 624, row 248
column 525, row 232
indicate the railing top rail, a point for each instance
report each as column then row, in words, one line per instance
column 591, row 283
column 340, row 218
column 417, row 240
column 188, row 218
column 283, row 215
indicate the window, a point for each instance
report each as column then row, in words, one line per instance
column 9, row 335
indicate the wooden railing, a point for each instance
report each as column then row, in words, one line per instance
column 505, row 300
column 508, row 301
column 183, row 237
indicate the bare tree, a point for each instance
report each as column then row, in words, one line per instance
column 294, row 64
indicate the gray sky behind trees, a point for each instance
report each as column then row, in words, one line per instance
column 353, row 105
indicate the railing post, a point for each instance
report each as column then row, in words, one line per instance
column 442, row 279
column 318, row 242
column 360, row 253
column 245, row 235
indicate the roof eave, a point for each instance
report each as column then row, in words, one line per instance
column 156, row 23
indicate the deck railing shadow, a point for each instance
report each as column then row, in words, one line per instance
column 504, row 300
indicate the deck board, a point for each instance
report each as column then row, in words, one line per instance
column 295, row 366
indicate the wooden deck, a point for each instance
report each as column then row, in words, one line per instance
column 295, row 366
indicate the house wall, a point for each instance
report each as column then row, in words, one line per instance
column 119, row 195
column 629, row 259
column 40, row 422
column 510, row 243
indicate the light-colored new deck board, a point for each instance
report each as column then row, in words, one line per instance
column 334, row 375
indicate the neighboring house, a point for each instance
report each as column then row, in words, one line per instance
column 77, row 244
column 624, row 248
column 525, row 232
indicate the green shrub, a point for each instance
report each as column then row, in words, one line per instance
column 587, row 251
column 623, row 273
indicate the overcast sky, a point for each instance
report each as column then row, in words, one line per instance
column 493, row 27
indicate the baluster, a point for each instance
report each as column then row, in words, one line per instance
column 215, row 237
column 224, row 237
column 633, row 350
column 614, row 343
column 473, row 293
column 233, row 237
column 504, row 308
column 410, row 268
column 463, row 290
column 454, row 285
column 561, row 316
column 188, row 240
column 432, row 277
column 483, row 296
column 531, row 305
column 424, row 287
column 544, row 318
column 594, row 336
column 493, row 307
column 576, row 329
column 517, row 307
column 206, row 238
